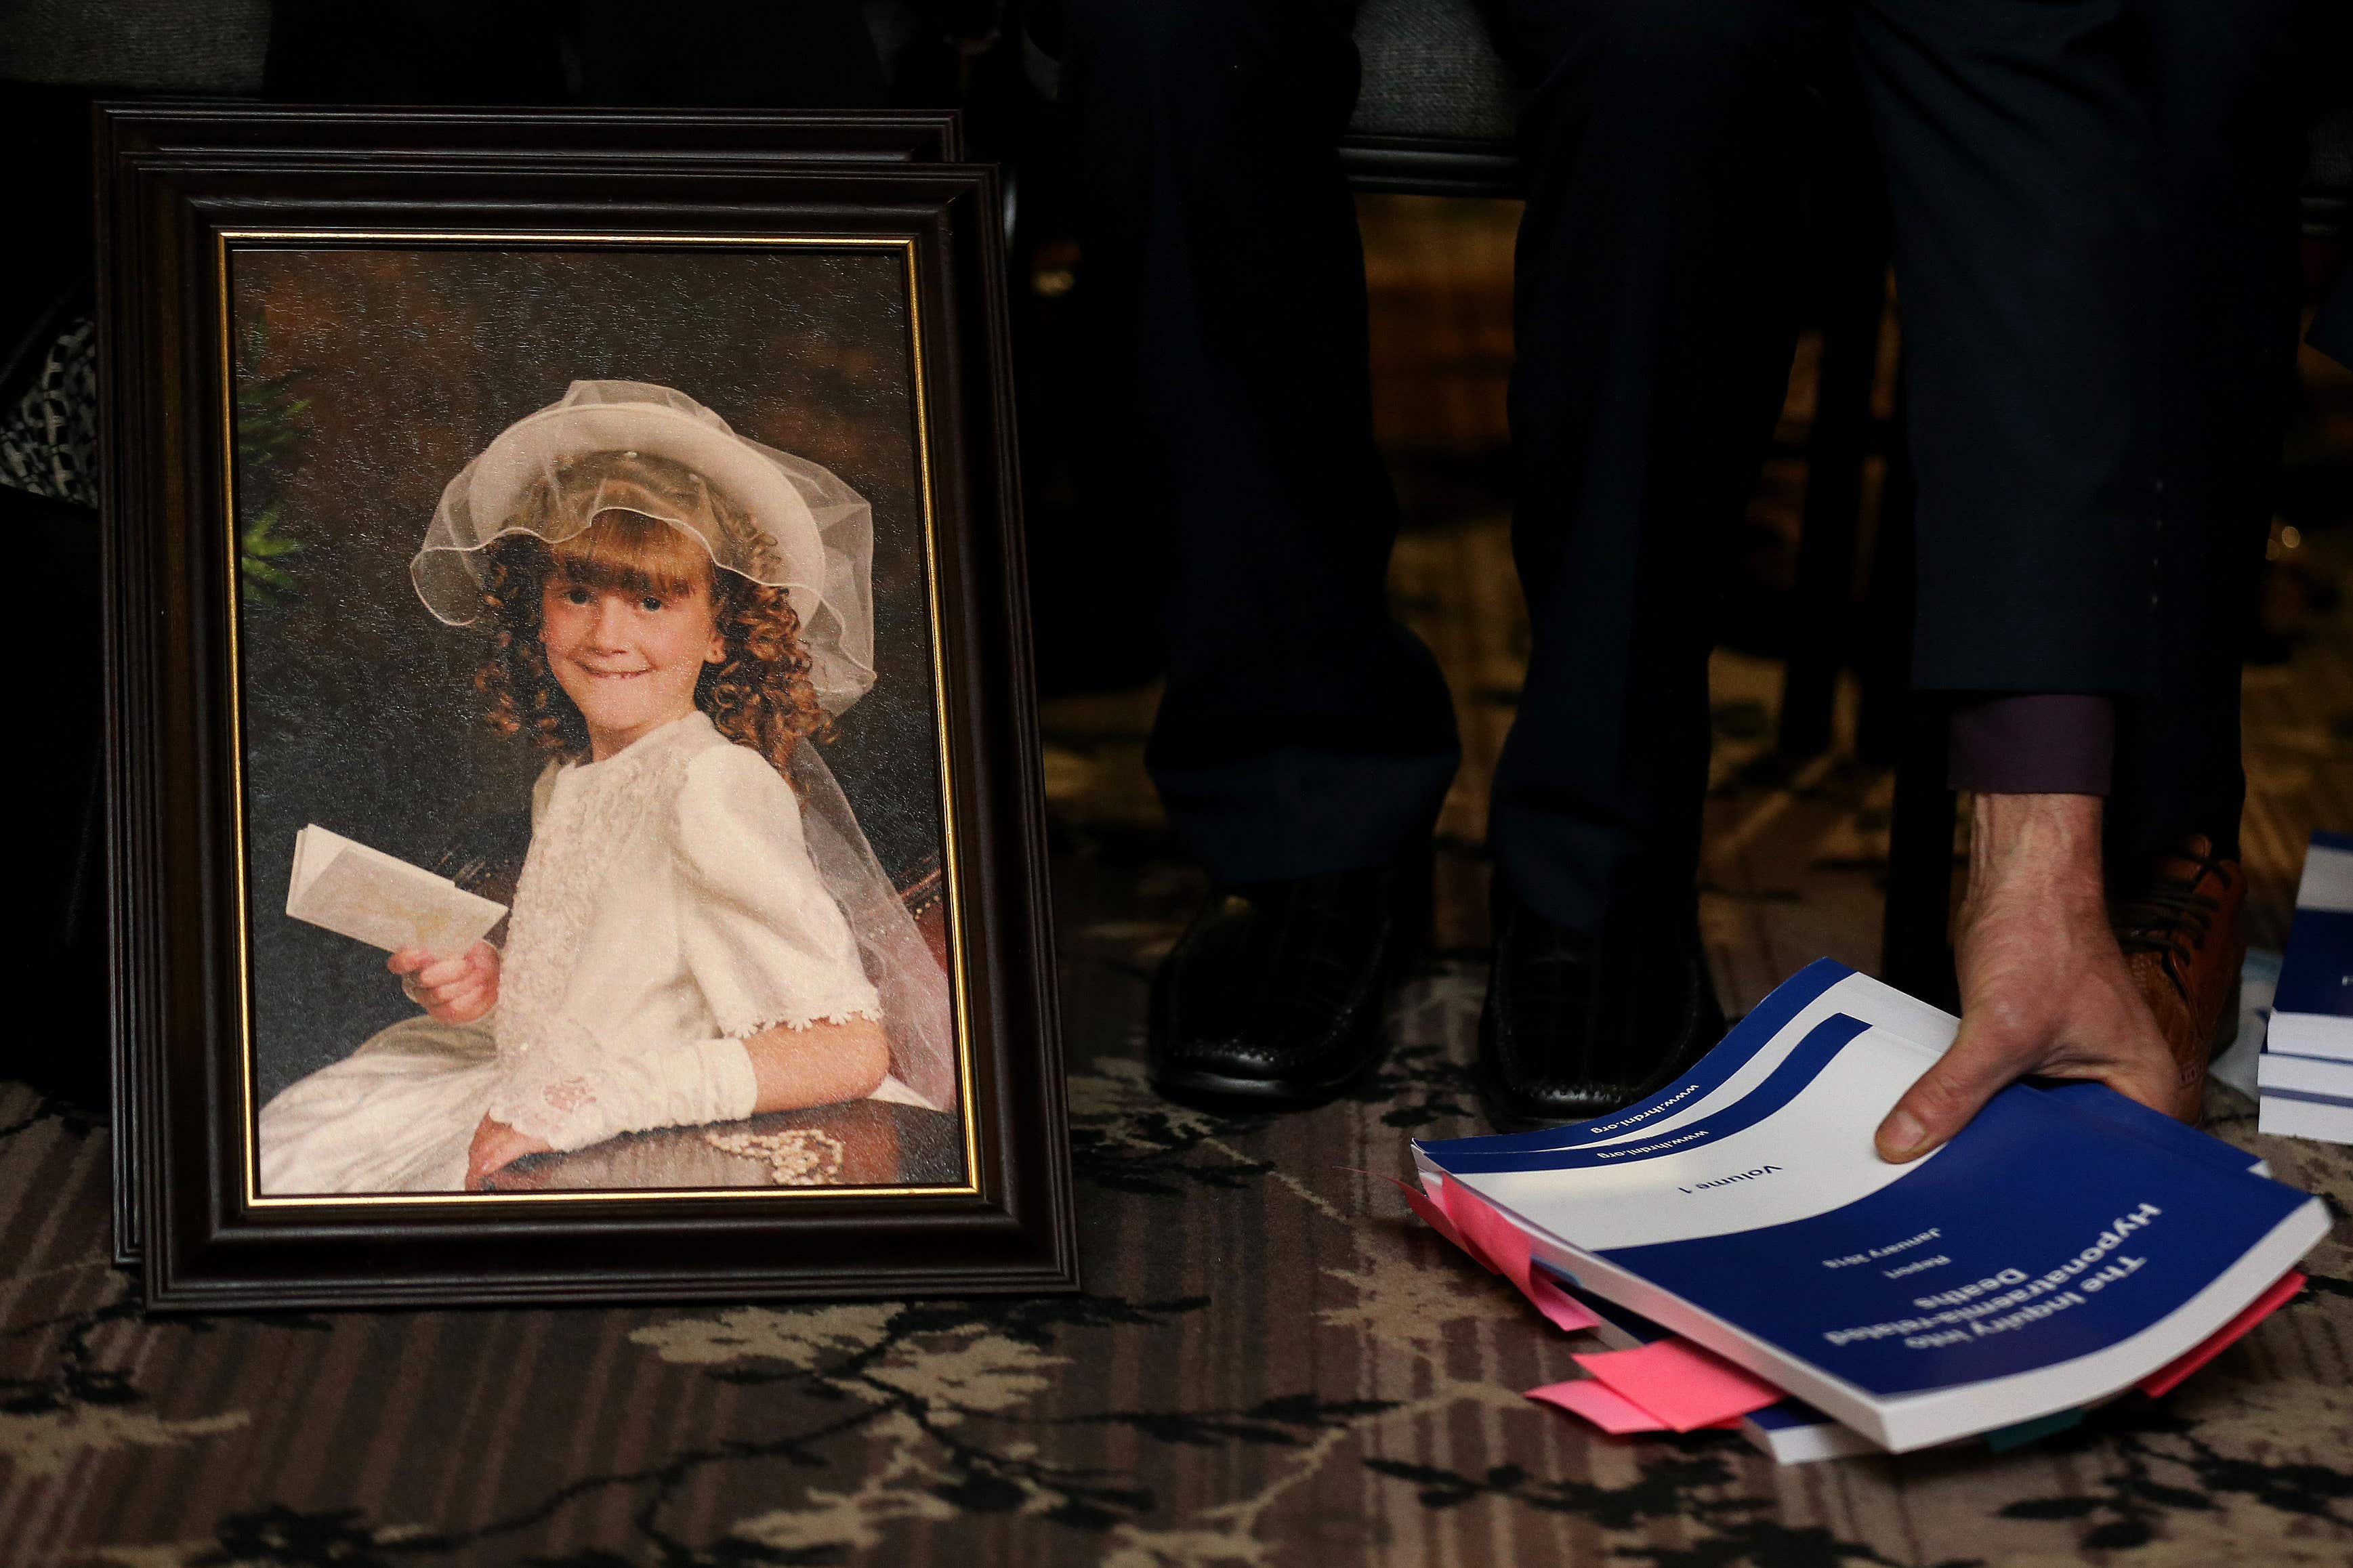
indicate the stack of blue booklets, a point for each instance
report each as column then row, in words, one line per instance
column 2305, row 1077
column 2068, row 1245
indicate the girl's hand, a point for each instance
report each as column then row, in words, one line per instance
column 496, row 1146
column 451, row 990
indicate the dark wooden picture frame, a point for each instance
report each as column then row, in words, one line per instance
column 186, row 191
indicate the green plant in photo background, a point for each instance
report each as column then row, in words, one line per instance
column 259, row 547
column 269, row 422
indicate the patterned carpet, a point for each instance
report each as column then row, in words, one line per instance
column 1272, row 1367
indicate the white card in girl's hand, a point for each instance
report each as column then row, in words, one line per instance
column 380, row 900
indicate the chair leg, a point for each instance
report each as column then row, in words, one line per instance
column 1915, row 954
column 1914, row 732
column 1822, row 601
column 1885, row 668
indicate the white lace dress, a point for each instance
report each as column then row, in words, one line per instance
column 668, row 898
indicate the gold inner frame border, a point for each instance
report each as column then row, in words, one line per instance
column 381, row 238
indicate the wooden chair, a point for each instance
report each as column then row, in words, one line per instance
column 1435, row 115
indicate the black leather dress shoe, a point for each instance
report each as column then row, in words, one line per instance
column 1273, row 998
column 1577, row 1027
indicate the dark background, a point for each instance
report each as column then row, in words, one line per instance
column 366, row 379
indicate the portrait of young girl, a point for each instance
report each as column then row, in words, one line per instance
column 672, row 619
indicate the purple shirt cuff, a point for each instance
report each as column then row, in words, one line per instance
column 2035, row 743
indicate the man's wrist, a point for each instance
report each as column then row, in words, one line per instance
column 2051, row 841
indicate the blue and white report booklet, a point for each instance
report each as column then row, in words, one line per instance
column 1795, row 1433
column 2312, row 1011
column 2046, row 1258
column 2305, row 1076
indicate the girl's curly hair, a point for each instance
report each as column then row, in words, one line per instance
column 759, row 695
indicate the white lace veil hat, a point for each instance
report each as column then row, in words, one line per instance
column 550, row 473
column 809, row 533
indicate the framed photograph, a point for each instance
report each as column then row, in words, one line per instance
column 317, row 137
column 574, row 820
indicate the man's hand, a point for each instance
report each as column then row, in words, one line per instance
column 451, row 990
column 496, row 1146
column 2043, row 988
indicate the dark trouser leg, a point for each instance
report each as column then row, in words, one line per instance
column 2016, row 146
column 1653, row 338
column 1301, row 730
column 2229, row 154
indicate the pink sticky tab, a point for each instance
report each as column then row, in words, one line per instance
column 1435, row 1218
column 1613, row 1413
column 1686, row 1387
column 1428, row 1212
column 1503, row 1244
column 1565, row 1310
column 1464, row 1213
column 2166, row 1378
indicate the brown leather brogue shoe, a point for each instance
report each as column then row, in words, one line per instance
column 2182, row 944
